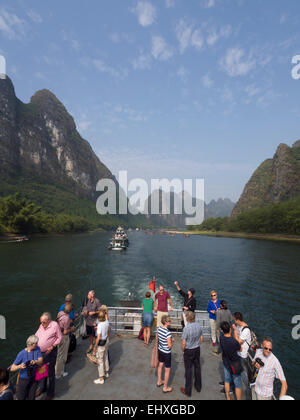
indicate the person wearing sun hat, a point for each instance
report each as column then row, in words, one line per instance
column 190, row 303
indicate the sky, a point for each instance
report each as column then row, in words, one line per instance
column 165, row 88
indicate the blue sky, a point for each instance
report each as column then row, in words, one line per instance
column 165, row 88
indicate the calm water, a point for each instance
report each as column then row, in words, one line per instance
column 260, row 279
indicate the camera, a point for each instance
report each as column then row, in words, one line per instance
column 260, row 362
column 30, row 369
column 255, row 371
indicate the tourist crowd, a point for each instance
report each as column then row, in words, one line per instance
column 43, row 360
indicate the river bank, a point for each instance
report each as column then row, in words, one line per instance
column 221, row 234
column 15, row 237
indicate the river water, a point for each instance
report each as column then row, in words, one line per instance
column 261, row 279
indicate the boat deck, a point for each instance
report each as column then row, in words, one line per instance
column 131, row 375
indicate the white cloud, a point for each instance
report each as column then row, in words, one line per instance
column 34, row 16
column 145, row 12
column 197, row 40
column 170, row 3
column 252, row 90
column 183, row 74
column 235, row 64
column 212, row 38
column 142, row 62
column 207, row 81
column 209, row 3
column 283, row 19
column 11, row 25
column 40, row 75
column 184, row 35
column 84, row 124
column 101, row 66
column 160, row 49
column 121, row 37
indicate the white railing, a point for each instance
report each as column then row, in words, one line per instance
column 129, row 320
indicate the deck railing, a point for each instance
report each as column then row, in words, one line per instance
column 129, row 320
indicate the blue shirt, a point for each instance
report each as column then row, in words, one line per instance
column 213, row 307
column 24, row 357
column 71, row 314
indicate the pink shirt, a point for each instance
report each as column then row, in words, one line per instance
column 51, row 336
column 64, row 321
column 267, row 374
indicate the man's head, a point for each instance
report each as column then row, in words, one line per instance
column 148, row 295
column 161, row 289
column 45, row 319
column 225, row 327
column 91, row 295
column 267, row 346
column 166, row 320
column 238, row 318
column 68, row 308
column 190, row 317
column 69, row 298
column 4, row 377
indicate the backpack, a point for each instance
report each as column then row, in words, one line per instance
column 253, row 345
column 141, row 334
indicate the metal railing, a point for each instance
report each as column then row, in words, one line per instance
column 129, row 321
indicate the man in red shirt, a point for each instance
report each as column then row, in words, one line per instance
column 161, row 304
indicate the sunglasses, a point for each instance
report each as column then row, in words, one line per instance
column 213, row 295
column 267, row 349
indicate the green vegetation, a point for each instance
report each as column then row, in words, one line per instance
column 59, row 210
column 282, row 218
column 19, row 215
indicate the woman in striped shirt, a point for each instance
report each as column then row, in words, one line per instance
column 165, row 343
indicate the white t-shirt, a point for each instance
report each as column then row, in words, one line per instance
column 102, row 329
column 246, row 337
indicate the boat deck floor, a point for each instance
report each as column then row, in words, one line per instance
column 131, row 375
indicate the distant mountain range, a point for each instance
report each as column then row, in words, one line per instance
column 219, row 208
column 276, row 180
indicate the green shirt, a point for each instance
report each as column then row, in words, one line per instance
column 148, row 305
